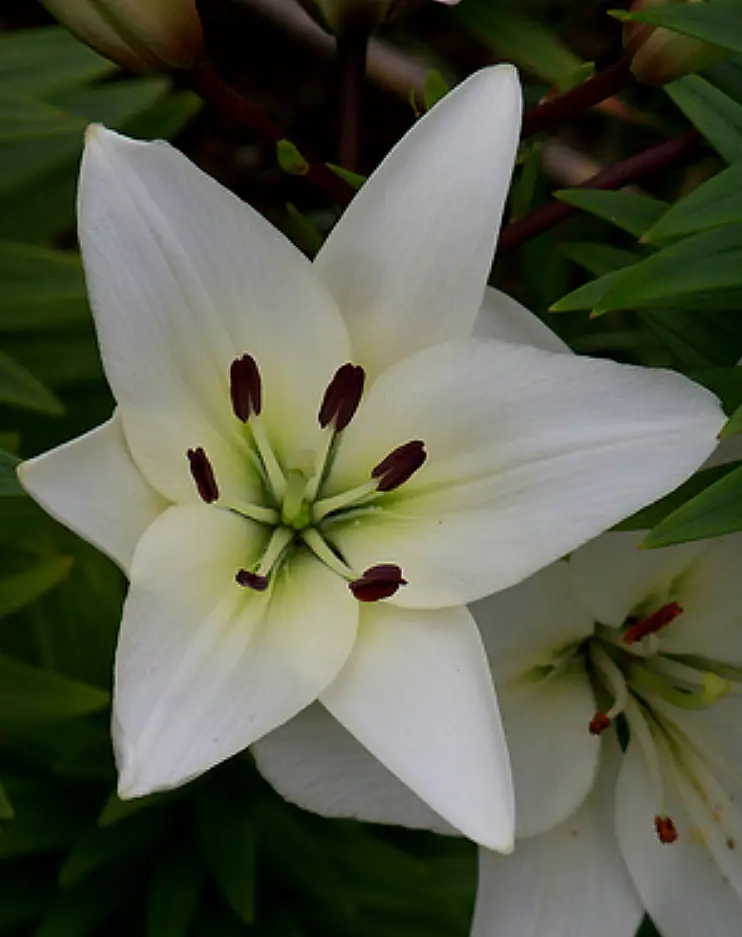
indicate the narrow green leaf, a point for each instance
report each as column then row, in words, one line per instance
column 598, row 258
column 303, row 231
column 435, row 88
column 47, row 819
column 116, row 809
column 714, row 203
column 9, row 485
column 717, row 116
column 697, row 338
column 174, row 892
column 352, row 178
column 99, row 847
column 19, row 388
column 705, row 262
column 46, row 60
column 590, row 294
column 41, row 288
column 719, row 22
column 26, row 118
column 6, row 808
column 227, row 833
column 22, row 588
column 733, row 425
column 716, row 511
column 28, row 695
column 632, row 213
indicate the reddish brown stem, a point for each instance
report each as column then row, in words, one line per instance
column 571, row 104
column 233, row 108
column 352, row 49
column 631, row 171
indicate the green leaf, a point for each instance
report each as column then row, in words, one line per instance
column 290, row 159
column 116, row 809
column 435, row 88
column 719, row 22
column 22, row 588
column 9, row 485
column 28, row 695
column 713, row 204
column 80, row 910
column 353, row 179
column 632, row 213
column 19, row 388
column 6, row 808
column 41, row 288
column 47, row 819
column 598, row 258
column 590, row 294
column 518, row 39
column 717, row 116
column 733, row 426
column 174, row 893
column 716, row 511
column 703, row 263
column 697, row 338
column 303, row 231
column 99, row 847
column 227, row 833
column 27, row 118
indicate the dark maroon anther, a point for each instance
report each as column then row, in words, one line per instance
column 245, row 387
column 342, row 397
column 203, row 475
column 377, row 582
column 399, row 465
column 252, row 580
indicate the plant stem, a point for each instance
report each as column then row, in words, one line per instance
column 570, row 104
column 352, row 50
column 234, row 109
column 634, row 170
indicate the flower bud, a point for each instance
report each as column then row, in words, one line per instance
column 662, row 55
column 139, row 35
column 343, row 15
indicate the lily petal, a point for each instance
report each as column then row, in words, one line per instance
column 503, row 318
column 530, row 454
column 184, row 278
column 408, row 261
column 570, row 882
column 204, row 666
column 684, row 891
column 316, row 763
column 417, row 693
column 91, row 485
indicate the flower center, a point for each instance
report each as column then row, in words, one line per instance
column 298, row 515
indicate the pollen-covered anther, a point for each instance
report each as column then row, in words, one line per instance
column 599, row 723
column 245, row 388
column 400, row 465
column 203, row 475
column 666, row 830
column 653, row 623
column 252, row 580
column 377, row 582
column 342, row 397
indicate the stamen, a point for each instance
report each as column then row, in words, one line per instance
column 400, row 465
column 666, row 831
column 245, row 387
column 252, row 580
column 651, row 624
column 599, row 723
column 203, row 475
column 322, row 550
column 651, row 684
column 377, row 582
column 342, row 397
column 611, row 678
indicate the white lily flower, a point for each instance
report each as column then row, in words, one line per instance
column 653, row 637
column 287, row 429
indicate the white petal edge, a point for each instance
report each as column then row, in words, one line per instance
column 570, row 882
column 408, row 261
column 317, row 764
column 530, row 454
column 417, row 693
column 92, row 486
column 183, row 278
column 205, row 667
column 503, row 318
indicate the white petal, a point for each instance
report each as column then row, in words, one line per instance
column 570, row 882
column 682, row 888
column 615, row 579
column 316, row 763
column 529, row 455
column 504, row 318
column 417, row 692
column 533, row 625
column 205, row 667
column 408, row 260
column 183, row 278
column 93, row 487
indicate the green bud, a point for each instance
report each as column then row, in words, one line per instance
column 139, row 35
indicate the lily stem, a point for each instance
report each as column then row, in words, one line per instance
column 352, row 50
